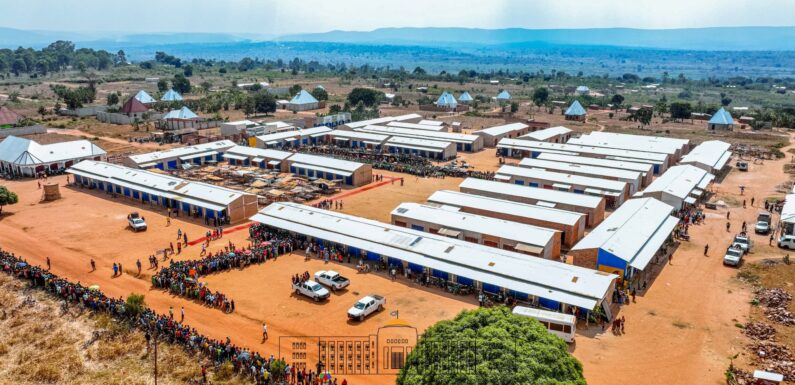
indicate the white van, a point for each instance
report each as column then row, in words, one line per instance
column 559, row 324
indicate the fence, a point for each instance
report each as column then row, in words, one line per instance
column 116, row 118
column 179, row 124
column 84, row 111
column 18, row 131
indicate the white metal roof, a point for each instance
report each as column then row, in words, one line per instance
column 788, row 211
column 431, row 122
column 180, row 152
column 712, row 153
column 631, row 142
column 535, row 276
column 503, row 129
column 161, row 184
column 449, row 218
column 544, row 315
column 358, row 135
column 643, row 168
column 430, row 135
column 324, row 161
column 546, row 134
column 26, row 152
column 680, row 180
column 540, row 194
column 399, row 141
column 383, row 120
column 264, row 153
column 286, row 135
column 460, row 199
column 559, row 177
column 530, row 145
column 634, row 232
column 416, row 126
column 580, row 169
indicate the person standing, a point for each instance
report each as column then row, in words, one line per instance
column 138, row 264
column 171, row 312
column 93, row 265
column 182, row 314
column 115, row 269
column 264, row 331
column 706, row 249
column 48, row 263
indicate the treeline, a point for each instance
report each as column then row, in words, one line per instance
column 58, row 56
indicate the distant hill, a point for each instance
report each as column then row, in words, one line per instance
column 715, row 39
column 12, row 38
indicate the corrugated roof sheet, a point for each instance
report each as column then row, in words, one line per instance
column 546, row 134
column 144, row 97
column 174, row 153
column 460, row 199
column 465, row 97
column 303, row 97
column 502, row 129
column 679, row 181
column 712, row 153
column 446, row 100
column 183, row 113
column 22, row 151
column 171, row 96
column 575, row 109
column 722, row 117
column 559, row 177
column 534, row 193
column 504, row 95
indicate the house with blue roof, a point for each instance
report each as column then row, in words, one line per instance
column 575, row 112
column 143, row 97
column 722, row 120
column 171, row 96
column 303, row 101
column 447, row 101
column 503, row 96
column 183, row 113
column 465, row 98
column 583, row 90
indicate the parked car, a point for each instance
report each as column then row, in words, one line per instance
column 787, row 242
column 742, row 165
column 763, row 222
column 366, row 306
column 743, row 242
column 312, row 290
column 733, row 257
column 332, row 279
column 136, row 222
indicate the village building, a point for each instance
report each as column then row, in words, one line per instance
column 633, row 178
column 294, row 138
column 465, row 98
column 680, row 186
column 646, row 170
column 721, row 121
column 134, row 108
column 409, row 118
column 504, row 96
column 303, row 101
column 557, row 134
column 27, row 158
column 463, row 142
column 614, row 192
column 628, row 240
column 143, row 97
column 492, row 135
column 450, row 222
column 257, row 157
column 191, row 198
column 711, row 156
column 419, row 126
column 181, row 157
column 171, row 96
column 575, row 112
column 570, row 224
column 446, row 101
column 675, row 148
column 433, row 149
column 592, row 206
column 356, row 139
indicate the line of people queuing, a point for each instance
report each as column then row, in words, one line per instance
column 163, row 327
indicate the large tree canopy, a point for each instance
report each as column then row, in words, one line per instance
column 490, row 346
column 369, row 97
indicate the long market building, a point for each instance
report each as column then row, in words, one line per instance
column 548, row 284
column 25, row 157
column 189, row 197
column 614, row 192
column 182, row 157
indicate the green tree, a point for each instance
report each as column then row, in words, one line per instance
column 490, row 346
column 187, row 70
column 135, row 304
column 295, row 89
column 181, row 84
column 162, row 85
column 680, row 111
column 7, row 197
column 264, row 102
column 540, row 96
column 368, row 96
column 644, row 116
column 113, row 99
column 320, row 94
column 617, row 101
column 725, row 101
column 514, row 107
column 419, row 71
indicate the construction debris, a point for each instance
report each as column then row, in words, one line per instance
column 759, row 331
column 780, row 315
column 773, row 297
column 771, row 351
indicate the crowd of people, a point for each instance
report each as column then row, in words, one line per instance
column 405, row 163
column 162, row 327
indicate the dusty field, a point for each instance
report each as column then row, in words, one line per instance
column 59, row 347
column 83, row 225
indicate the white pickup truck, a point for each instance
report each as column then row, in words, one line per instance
column 366, row 306
column 332, row 279
column 136, row 222
column 733, row 257
column 312, row 290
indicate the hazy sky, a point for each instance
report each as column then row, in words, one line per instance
column 292, row 16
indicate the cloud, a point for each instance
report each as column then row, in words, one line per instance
column 284, row 17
